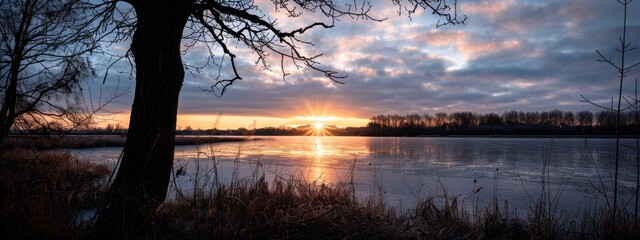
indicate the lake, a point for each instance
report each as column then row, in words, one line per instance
column 405, row 169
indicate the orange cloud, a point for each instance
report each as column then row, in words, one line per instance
column 491, row 8
column 472, row 49
column 465, row 44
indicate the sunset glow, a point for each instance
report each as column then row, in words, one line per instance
column 498, row 61
column 320, row 119
column 319, row 129
column 203, row 121
column 317, row 172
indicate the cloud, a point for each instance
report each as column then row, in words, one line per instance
column 523, row 55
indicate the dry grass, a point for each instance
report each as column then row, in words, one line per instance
column 285, row 209
column 43, row 191
column 93, row 141
column 445, row 218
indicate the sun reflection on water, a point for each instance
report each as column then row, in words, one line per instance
column 318, row 172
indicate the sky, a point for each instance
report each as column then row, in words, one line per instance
column 529, row 55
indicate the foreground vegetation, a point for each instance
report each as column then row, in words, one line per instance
column 45, row 142
column 44, row 192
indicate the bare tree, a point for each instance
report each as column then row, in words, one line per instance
column 427, row 120
column 555, row 117
column 532, row 118
column 510, row 118
column 44, row 57
column 440, row 119
column 491, row 119
column 623, row 67
column 585, row 118
column 156, row 30
column 568, row 119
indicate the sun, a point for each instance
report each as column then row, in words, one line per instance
column 318, row 129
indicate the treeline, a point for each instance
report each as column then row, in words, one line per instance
column 554, row 122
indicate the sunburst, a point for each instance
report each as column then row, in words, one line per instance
column 318, row 129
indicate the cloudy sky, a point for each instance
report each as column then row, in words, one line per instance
column 531, row 55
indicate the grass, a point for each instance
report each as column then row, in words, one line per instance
column 44, row 191
column 92, row 141
column 286, row 208
column 41, row 192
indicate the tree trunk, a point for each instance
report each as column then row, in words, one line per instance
column 143, row 175
column 7, row 113
column 8, row 110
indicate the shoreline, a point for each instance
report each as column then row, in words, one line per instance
column 523, row 136
column 98, row 141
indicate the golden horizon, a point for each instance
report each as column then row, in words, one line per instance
column 224, row 122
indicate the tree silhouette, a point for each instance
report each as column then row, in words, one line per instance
column 615, row 114
column 44, row 57
column 156, row 30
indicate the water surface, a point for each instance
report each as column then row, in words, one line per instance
column 405, row 169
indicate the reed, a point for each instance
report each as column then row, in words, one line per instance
column 42, row 192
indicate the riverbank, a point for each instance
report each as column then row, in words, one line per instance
column 94, row 141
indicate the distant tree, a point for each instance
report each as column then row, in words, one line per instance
column 427, row 120
column 491, row 119
column 109, row 128
column 555, row 117
column 568, row 119
column 118, row 128
column 510, row 118
column 464, row 119
column 522, row 118
column 413, row 121
column 545, row 119
column 44, row 57
column 628, row 119
column 440, row 119
column 601, row 119
column 156, row 31
column 585, row 118
column 395, row 121
column 605, row 119
column 532, row 118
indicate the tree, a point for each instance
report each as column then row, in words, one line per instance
column 585, row 118
column 545, row 118
column 622, row 68
column 109, row 128
column 156, row 33
column 427, row 120
column 491, row 119
column 532, row 118
column 555, row 117
column 44, row 57
column 510, row 118
column 568, row 119
column 462, row 119
column 440, row 119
